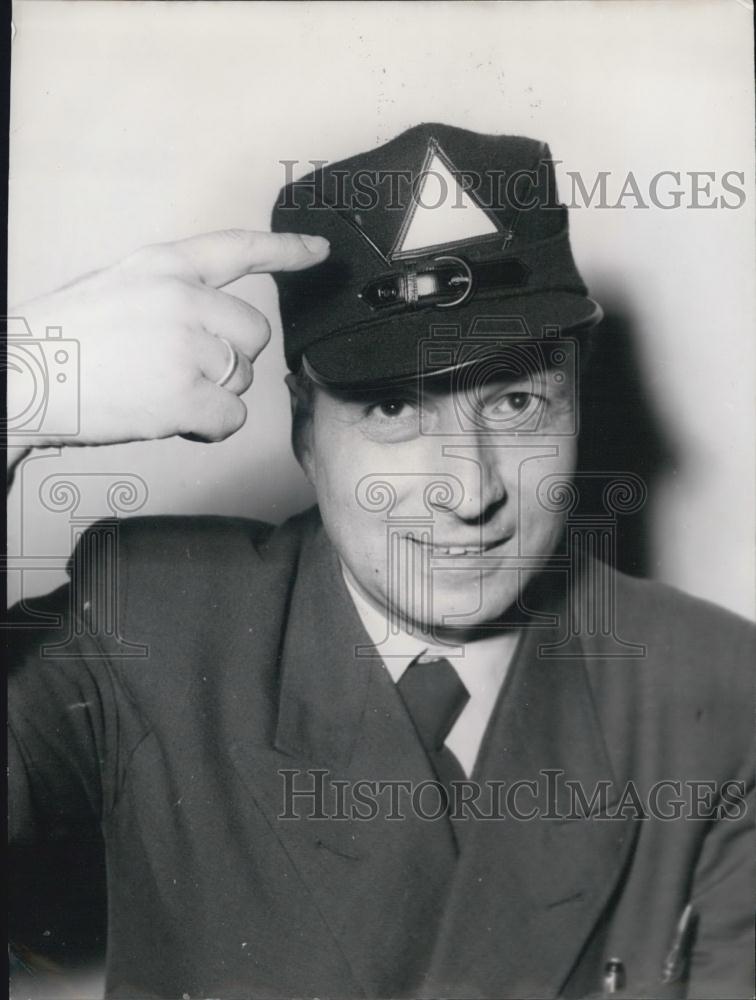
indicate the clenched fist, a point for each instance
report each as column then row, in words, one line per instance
column 148, row 332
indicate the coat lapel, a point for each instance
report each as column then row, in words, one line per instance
column 340, row 726
column 527, row 893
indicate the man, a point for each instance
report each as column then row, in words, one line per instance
column 416, row 742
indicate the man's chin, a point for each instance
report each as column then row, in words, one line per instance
column 455, row 615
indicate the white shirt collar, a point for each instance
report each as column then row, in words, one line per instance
column 397, row 647
column 482, row 666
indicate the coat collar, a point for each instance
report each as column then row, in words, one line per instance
column 326, row 663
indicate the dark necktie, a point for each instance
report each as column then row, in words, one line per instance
column 434, row 697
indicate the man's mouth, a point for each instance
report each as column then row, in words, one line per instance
column 437, row 549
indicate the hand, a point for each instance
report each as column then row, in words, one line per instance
column 148, row 333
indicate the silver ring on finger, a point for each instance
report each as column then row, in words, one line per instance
column 231, row 366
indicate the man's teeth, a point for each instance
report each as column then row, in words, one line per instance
column 449, row 550
column 456, row 550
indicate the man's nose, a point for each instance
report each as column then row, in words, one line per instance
column 483, row 487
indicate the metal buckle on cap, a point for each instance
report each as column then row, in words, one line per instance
column 465, row 279
column 430, row 284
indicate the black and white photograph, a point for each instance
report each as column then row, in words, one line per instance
column 381, row 500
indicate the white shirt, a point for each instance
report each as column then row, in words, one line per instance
column 481, row 665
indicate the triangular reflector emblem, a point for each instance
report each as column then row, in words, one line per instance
column 442, row 213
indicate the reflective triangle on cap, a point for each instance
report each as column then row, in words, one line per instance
column 442, row 214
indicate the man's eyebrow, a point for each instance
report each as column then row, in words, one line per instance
column 374, row 395
column 503, row 380
column 439, row 385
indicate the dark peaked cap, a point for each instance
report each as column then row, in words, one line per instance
column 410, row 251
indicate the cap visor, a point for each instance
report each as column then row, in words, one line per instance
column 431, row 341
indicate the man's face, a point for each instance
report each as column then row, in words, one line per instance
column 430, row 491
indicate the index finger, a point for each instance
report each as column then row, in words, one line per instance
column 221, row 257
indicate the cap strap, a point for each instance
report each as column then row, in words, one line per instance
column 444, row 281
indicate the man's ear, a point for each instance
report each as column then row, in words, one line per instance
column 301, row 424
column 295, row 391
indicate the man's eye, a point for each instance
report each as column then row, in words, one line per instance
column 519, row 400
column 391, row 408
column 391, row 420
column 515, row 402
